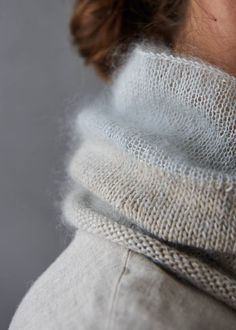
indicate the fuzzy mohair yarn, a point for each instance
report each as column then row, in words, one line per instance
column 156, row 167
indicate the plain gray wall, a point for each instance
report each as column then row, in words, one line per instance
column 40, row 75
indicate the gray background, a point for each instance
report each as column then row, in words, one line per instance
column 40, row 76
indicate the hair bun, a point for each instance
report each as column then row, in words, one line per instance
column 99, row 26
column 95, row 28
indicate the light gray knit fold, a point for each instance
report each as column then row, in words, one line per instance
column 158, row 152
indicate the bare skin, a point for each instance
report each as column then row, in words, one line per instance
column 210, row 33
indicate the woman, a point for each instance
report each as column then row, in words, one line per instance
column 153, row 193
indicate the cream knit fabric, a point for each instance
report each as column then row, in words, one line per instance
column 155, row 168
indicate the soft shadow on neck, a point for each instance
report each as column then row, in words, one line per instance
column 209, row 33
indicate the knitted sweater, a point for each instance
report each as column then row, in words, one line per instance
column 154, row 174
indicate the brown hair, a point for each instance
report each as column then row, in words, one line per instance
column 99, row 27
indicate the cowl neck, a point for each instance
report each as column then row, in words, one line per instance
column 158, row 151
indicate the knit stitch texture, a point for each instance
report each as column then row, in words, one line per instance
column 155, row 167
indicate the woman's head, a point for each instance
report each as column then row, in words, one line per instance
column 101, row 27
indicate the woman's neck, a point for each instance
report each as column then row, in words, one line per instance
column 209, row 33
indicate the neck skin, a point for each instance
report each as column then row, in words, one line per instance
column 209, row 33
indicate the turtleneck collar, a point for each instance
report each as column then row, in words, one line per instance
column 157, row 152
column 160, row 147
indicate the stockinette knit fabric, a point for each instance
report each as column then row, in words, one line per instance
column 155, row 167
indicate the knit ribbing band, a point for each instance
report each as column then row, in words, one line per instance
column 196, row 272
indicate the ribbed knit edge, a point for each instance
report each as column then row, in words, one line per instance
column 214, row 282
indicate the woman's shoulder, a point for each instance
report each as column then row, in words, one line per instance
column 97, row 284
